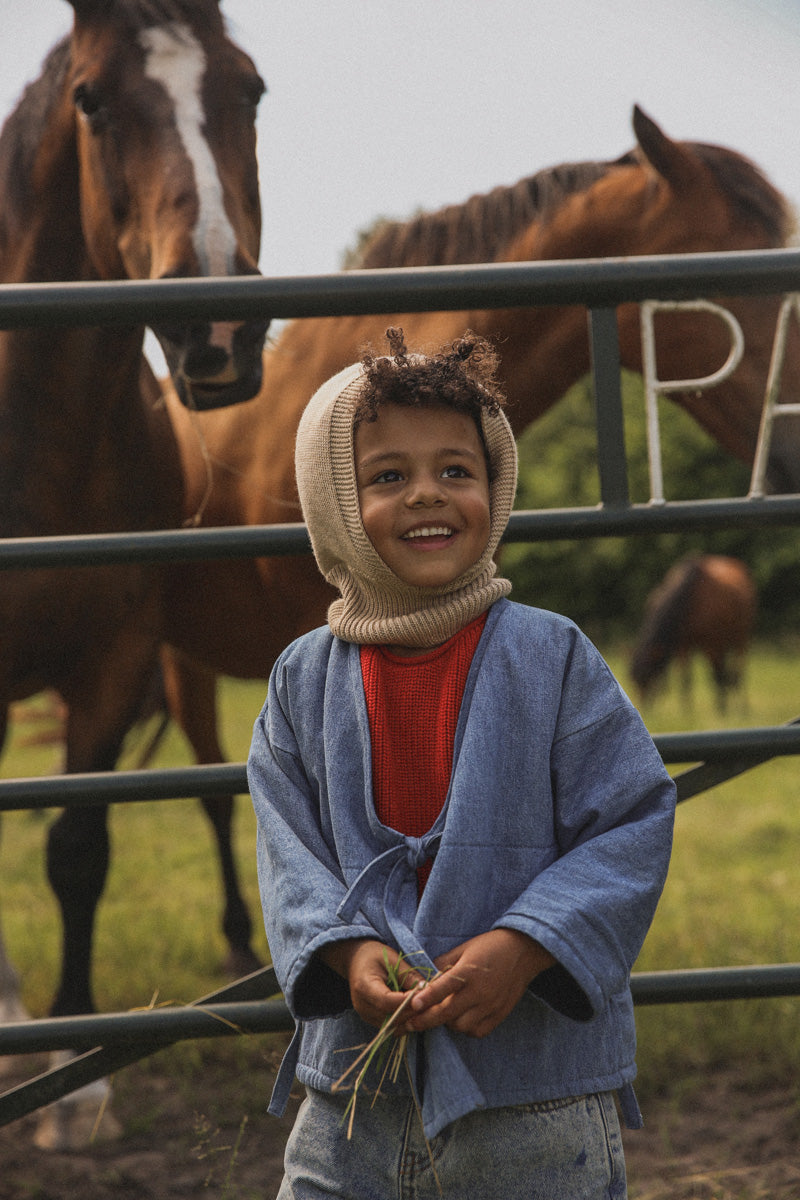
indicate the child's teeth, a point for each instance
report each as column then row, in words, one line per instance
column 437, row 532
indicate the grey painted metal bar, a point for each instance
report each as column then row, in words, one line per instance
column 711, row 745
column 158, row 1026
column 104, row 1060
column 593, row 282
column 116, row 787
column 209, row 1019
column 746, row 747
column 674, row 516
column 718, row 983
column 237, row 541
column 611, row 458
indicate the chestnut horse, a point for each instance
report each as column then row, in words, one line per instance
column 705, row 604
column 132, row 156
column 663, row 197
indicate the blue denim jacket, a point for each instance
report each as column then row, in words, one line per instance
column 557, row 822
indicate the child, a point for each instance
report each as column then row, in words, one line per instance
column 446, row 775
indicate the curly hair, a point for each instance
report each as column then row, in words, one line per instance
column 460, row 376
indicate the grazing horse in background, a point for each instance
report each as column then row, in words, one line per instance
column 132, row 156
column 705, row 604
column 663, row 197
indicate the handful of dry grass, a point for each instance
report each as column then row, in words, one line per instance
column 386, row 1050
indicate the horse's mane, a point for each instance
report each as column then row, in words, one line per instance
column 748, row 191
column 480, row 229
column 21, row 136
column 664, row 619
column 157, row 12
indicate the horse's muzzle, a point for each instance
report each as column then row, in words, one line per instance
column 214, row 366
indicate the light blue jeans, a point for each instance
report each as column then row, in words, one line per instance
column 559, row 1150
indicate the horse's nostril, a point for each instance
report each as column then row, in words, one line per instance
column 205, row 361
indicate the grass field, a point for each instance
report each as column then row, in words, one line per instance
column 732, row 897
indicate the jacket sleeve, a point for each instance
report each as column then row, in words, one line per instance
column 300, row 880
column 614, row 806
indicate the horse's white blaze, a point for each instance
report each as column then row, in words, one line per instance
column 177, row 61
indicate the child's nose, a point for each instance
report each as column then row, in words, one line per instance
column 425, row 492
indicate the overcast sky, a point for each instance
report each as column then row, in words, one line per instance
column 379, row 108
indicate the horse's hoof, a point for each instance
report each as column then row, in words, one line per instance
column 76, row 1124
column 77, row 1129
column 77, row 1120
column 12, row 1009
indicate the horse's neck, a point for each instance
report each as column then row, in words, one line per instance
column 72, row 418
column 41, row 241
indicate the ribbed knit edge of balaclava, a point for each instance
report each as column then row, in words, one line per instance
column 375, row 606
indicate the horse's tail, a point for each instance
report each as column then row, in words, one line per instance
column 666, row 610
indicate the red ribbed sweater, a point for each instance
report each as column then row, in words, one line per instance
column 413, row 703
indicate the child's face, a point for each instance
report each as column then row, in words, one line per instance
column 423, row 489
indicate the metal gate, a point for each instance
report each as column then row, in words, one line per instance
column 106, row 1042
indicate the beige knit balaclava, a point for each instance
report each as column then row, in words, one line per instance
column 375, row 605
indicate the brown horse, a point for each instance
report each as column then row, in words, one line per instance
column 663, row 197
column 705, row 604
column 131, row 156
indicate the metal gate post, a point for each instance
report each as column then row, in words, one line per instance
column 611, row 459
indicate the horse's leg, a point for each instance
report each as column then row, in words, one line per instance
column 685, row 672
column 738, row 678
column 722, row 680
column 190, row 690
column 102, row 705
column 11, row 1006
column 78, row 853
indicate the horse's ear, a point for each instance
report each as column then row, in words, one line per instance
column 674, row 162
column 86, row 8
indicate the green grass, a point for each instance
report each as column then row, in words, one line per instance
column 732, row 895
column 158, row 925
column 731, row 899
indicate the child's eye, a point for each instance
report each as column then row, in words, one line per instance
column 455, row 472
column 390, row 476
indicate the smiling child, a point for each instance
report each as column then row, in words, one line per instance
column 444, row 775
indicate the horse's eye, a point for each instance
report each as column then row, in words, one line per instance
column 87, row 100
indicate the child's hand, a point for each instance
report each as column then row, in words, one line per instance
column 362, row 963
column 481, row 982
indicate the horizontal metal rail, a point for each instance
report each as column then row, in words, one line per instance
column 104, row 1060
column 716, row 983
column 253, row 541
column 718, row 748
column 166, row 1025
column 597, row 282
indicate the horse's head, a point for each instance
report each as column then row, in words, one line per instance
column 165, row 107
column 671, row 197
column 703, row 198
